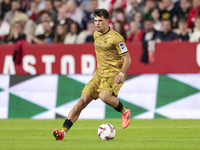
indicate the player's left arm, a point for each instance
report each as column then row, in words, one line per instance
column 126, row 64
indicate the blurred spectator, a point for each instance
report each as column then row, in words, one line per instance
column 195, row 37
column 75, row 35
column 132, row 9
column 177, row 5
column 166, row 34
column 120, row 16
column 60, row 33
column 4, row 29
column 118, row 26
column 186, row 6
column 149, row 6
column 57, row 4
column 155, row 16
column 184, row 35
column 4, row 6
column 24, row 4
column 86, row 5
column 138, row 18
column 110, row 5
column 74, row 12
column 44, row 17
column 34, row 12
column 28, row 26
column 17, row 12
column 169, row 12
column 63, row 18
column 47, row 37
column 48, row 7
column 104, row 4
column 135, row 33
column 78, row 2
column 16, row 33
column 41, row 4
column 141, row 5
column 9, row 17
column 89, row 13
column 90, row 31
column 150, row 34
column 194, row 12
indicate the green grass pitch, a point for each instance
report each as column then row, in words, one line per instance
column 159, row 134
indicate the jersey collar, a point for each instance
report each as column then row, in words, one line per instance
column 105, row 32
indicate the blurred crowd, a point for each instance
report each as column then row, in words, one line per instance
column 71, row 21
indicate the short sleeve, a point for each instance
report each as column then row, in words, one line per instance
column 121, row 46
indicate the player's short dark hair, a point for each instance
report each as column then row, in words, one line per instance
column 101, row 12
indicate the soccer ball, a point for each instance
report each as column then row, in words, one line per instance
column 106, row 131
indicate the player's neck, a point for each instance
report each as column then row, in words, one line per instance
column 105, row 31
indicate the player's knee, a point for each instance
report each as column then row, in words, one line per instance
column 103, row 97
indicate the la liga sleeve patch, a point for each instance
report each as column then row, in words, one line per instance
column 123, row 47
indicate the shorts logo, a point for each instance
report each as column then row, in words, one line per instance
column 122, row 47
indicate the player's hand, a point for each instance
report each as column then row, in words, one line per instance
column 119, row 78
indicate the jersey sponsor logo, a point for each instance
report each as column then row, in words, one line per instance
column 101, row 47
column 123, row 47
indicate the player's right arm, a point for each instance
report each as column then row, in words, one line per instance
column 123, row 51
column 126, row 64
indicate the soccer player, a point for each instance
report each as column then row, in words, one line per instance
column 113, row 61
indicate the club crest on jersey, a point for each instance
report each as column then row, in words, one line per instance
column 122, row 47
column 107, row 41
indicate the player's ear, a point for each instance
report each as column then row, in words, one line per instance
column 107, row 20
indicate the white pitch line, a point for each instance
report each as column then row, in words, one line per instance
column 97, row 128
